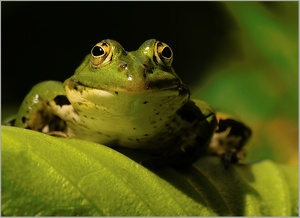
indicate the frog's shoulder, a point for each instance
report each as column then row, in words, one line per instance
column 48, row 88
column 37, row 100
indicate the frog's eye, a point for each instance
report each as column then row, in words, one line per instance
column 163, row 54
column 101, row 54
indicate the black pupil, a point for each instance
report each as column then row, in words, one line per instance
column 166, row 52
column 97, row 51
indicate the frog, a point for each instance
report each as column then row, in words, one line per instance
column 133, row 100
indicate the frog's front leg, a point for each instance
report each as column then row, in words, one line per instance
column 198, row 122
column 229, row 139
column 37, row 111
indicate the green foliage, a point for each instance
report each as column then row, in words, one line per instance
column 44, row 175
column 260, row 83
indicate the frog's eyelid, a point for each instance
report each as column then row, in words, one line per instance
column 163, row 54
column 101, row 54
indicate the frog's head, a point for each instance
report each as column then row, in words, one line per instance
column 109, row 67
column 140, row 79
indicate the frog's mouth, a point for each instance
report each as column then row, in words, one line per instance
column 164, row 84
column 175, row 85
column 160, row 85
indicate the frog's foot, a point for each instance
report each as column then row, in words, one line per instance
column 232, row 157
column 229, row 140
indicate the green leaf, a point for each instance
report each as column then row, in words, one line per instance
column 44, row 175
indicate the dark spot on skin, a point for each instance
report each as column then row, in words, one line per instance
column 100, row 133
column 130, row 139
column 61, row 100
column 154, row 127
column 93, row 118
column 79, row 103
column 107, row 135
column 116, row 93
column 153, row 122
column 160, row 119
column 134, row 128
column 137, row 140
column 85, row 116
column 157, row 113
column 160, row 105
column 24, row 119
column 145, row 102
column 146, row 135
column 167, row 125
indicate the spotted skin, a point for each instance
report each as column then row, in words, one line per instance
column 133, row 100
column 177, row 139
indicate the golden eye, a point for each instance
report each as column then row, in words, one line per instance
column 163, row 54
column 101, row 54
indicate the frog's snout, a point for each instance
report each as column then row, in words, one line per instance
column 143, row 68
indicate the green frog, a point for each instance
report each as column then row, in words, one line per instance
column 133, row 100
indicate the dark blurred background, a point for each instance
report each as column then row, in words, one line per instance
column 241, row 57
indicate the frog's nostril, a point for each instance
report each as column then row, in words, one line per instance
column 123, row 67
